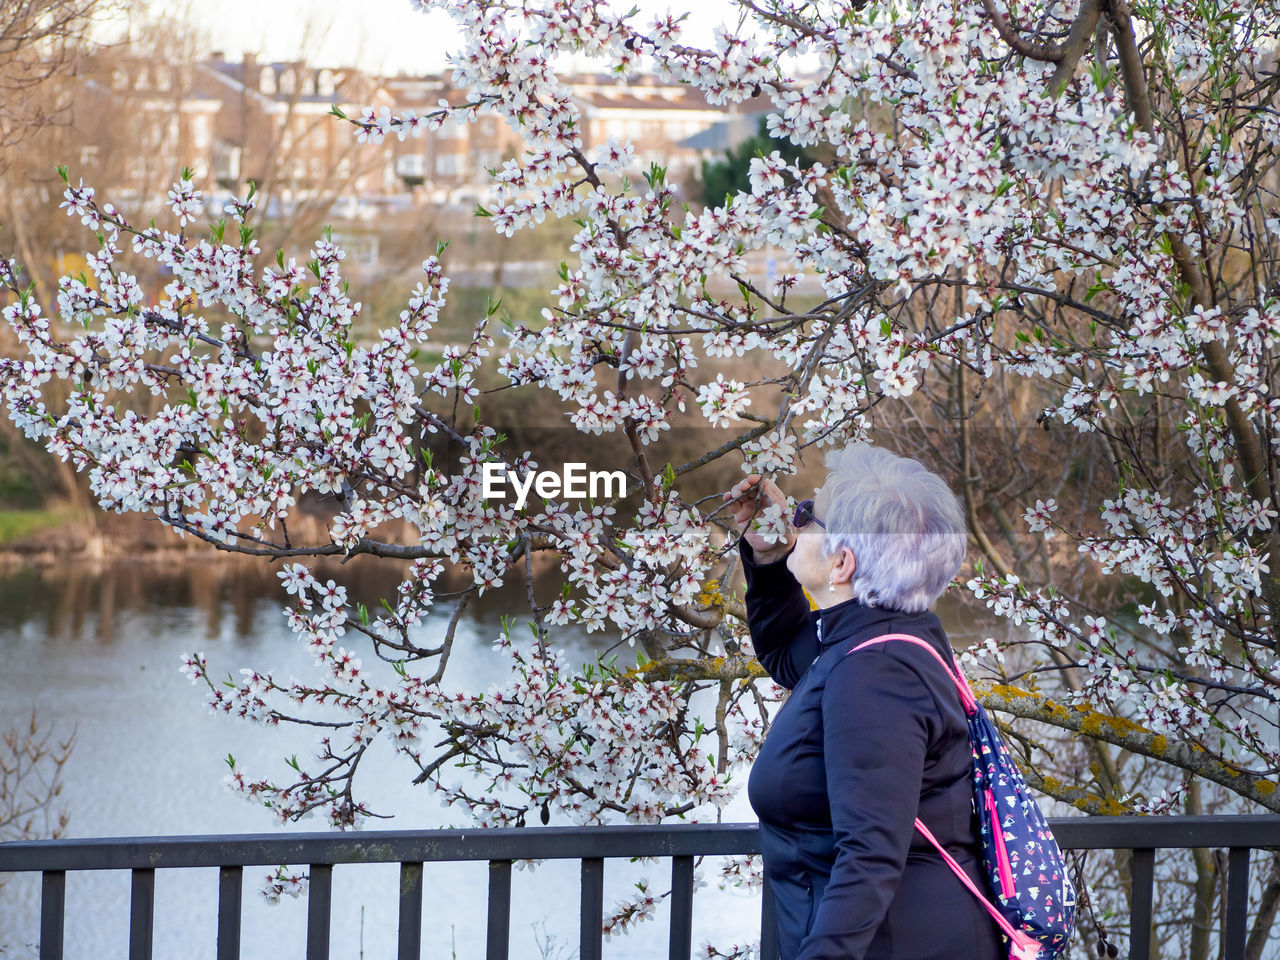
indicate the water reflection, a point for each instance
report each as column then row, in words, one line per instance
column 86, row 600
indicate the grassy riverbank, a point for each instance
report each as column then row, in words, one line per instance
column 17, row 526
column 59, row 533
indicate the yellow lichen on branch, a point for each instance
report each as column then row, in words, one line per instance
column 707, row 668
column 1130, row 736
column 709, row 595
column 710, row 607
column 1077, row 796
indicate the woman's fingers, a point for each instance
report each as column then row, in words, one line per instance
column 774, row 492
column 745, row 497
column 741, row 488
column 751, row 496
column 748, row 497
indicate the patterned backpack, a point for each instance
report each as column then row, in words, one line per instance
column 1035, row 903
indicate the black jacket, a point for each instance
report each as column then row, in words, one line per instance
column 864, row 744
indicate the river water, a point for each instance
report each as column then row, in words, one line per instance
column 95, row 649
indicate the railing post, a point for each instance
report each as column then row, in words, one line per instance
column 681, row 908
column 591, row 938
column 1144, row 866
column 499, row 934
column 141, row 914
column 768, row 924
column 410, row 937
column 319, row 895
column 1237, row 902
column 53, row 900
column 229, row 900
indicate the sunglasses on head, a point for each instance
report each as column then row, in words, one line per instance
column 804, row 515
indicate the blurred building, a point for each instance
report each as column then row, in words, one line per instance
column 656, row 118
column 138, row 122
column 276, row 127
column 142, row 122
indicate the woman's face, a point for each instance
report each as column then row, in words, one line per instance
column 811, row 569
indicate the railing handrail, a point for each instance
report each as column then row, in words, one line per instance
column 411, row 849
column 383, row 846
column 562, row 843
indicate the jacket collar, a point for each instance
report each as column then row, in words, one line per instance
column 854, row 620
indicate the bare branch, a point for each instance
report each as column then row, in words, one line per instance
column 31, row 766
column 1047, row 52
column 1135, row 81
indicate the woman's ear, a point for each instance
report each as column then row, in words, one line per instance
column 846, row 563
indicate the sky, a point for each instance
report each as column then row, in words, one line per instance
column 383, row 36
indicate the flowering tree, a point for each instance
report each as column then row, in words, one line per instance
column 1069, row 205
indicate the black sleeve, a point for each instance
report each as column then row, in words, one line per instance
column 876, row 726
column 782, row 631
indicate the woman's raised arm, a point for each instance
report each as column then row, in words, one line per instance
column 782, row 630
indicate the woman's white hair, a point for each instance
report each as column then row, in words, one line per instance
column 902, row 523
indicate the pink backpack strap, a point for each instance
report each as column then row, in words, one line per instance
column 953, row 671
column 1021, row 945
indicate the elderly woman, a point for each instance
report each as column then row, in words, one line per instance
column 865, row 743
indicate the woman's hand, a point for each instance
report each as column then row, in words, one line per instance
column 746, row 501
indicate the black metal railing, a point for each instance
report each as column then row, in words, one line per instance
column 589, row 845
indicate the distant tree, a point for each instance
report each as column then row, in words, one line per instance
column 732, row 175
column 44, row 45
column 40, row 41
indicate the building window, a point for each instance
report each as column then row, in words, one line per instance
column 447, row 164
column 485, row 159
column 411, row 165
column 226, row 162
